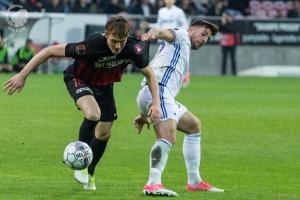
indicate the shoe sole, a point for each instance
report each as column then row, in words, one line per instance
column 150, row 193
column 195, row 190
column 89, row 189
column 78, row 181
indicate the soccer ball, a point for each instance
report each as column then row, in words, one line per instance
column 78, row 155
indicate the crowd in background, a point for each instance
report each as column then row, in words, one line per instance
column 232, row 8
column 258, row 8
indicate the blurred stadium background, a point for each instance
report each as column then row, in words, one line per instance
column 268, row 32
column 251, row 124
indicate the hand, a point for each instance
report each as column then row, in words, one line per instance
column 150, row 35
column 16, row 83
column 154, row 114
column 139, row 122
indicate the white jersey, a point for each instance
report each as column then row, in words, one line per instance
column 171, row 62
column 173, row 17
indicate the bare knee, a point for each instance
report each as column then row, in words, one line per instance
column 196, row 128
column 169, row 135
column 166, row 130
column 172, row 140
column 103, row 131
column 103, row 137
column 92, row 114
column 169, row 138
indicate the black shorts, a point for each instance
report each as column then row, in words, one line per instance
column 103, row 95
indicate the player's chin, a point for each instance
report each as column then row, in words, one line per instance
column 116, row 51
column 195, row 47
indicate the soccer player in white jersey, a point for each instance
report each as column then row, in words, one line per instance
column 170, row 65
column 171, row 16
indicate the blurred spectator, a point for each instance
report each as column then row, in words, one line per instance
column 4, row 64
column 23, row 56
column 98, row 6
column 269, row 8
column 67, row 6
column 115, row 7
column 202, row 6
column 171, row 16
column 281, row 8
column 33, row 5
column 81, row 6
column 208, row 4
column 241, row 7
column 4, row 4
column 295, row 11
column 228, row 42
column 55, row 6
column 141, row 7
column 158, row 5
column 218, row 6
column 188, row 6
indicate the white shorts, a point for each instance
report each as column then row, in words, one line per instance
column 170, row 108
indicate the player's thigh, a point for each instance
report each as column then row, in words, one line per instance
column 166, row 130
column 89, row 106
column 189, row 123
column 84, row 98
column 103, row 130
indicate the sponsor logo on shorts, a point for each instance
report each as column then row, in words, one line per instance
column 83, row 89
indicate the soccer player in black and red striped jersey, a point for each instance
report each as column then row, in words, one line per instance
column 99, row 62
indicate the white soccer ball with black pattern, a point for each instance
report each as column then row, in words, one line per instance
column 78, row 155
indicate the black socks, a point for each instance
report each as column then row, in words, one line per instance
column 87, row 131
column 98, row 148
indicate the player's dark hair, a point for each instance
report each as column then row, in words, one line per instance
column 199, row 22
column 118, row 26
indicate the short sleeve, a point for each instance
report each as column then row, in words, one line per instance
column 180, row 35
column 80, row 49
column 141, row 54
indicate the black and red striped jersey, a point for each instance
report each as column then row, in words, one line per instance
column 96, row 65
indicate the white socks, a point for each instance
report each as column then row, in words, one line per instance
column 158, row 160
column 191, row 153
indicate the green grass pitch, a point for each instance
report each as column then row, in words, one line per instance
column 250, row 141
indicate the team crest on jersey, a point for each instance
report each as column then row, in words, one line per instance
column 80, row 49
column 138, row 49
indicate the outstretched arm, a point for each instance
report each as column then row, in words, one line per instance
column 157, row 33
column 17, row 82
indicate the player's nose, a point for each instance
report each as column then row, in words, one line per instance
column 118, row 45
column 205, row 40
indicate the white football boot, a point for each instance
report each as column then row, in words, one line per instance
column 158, row 190
column 81, row 176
